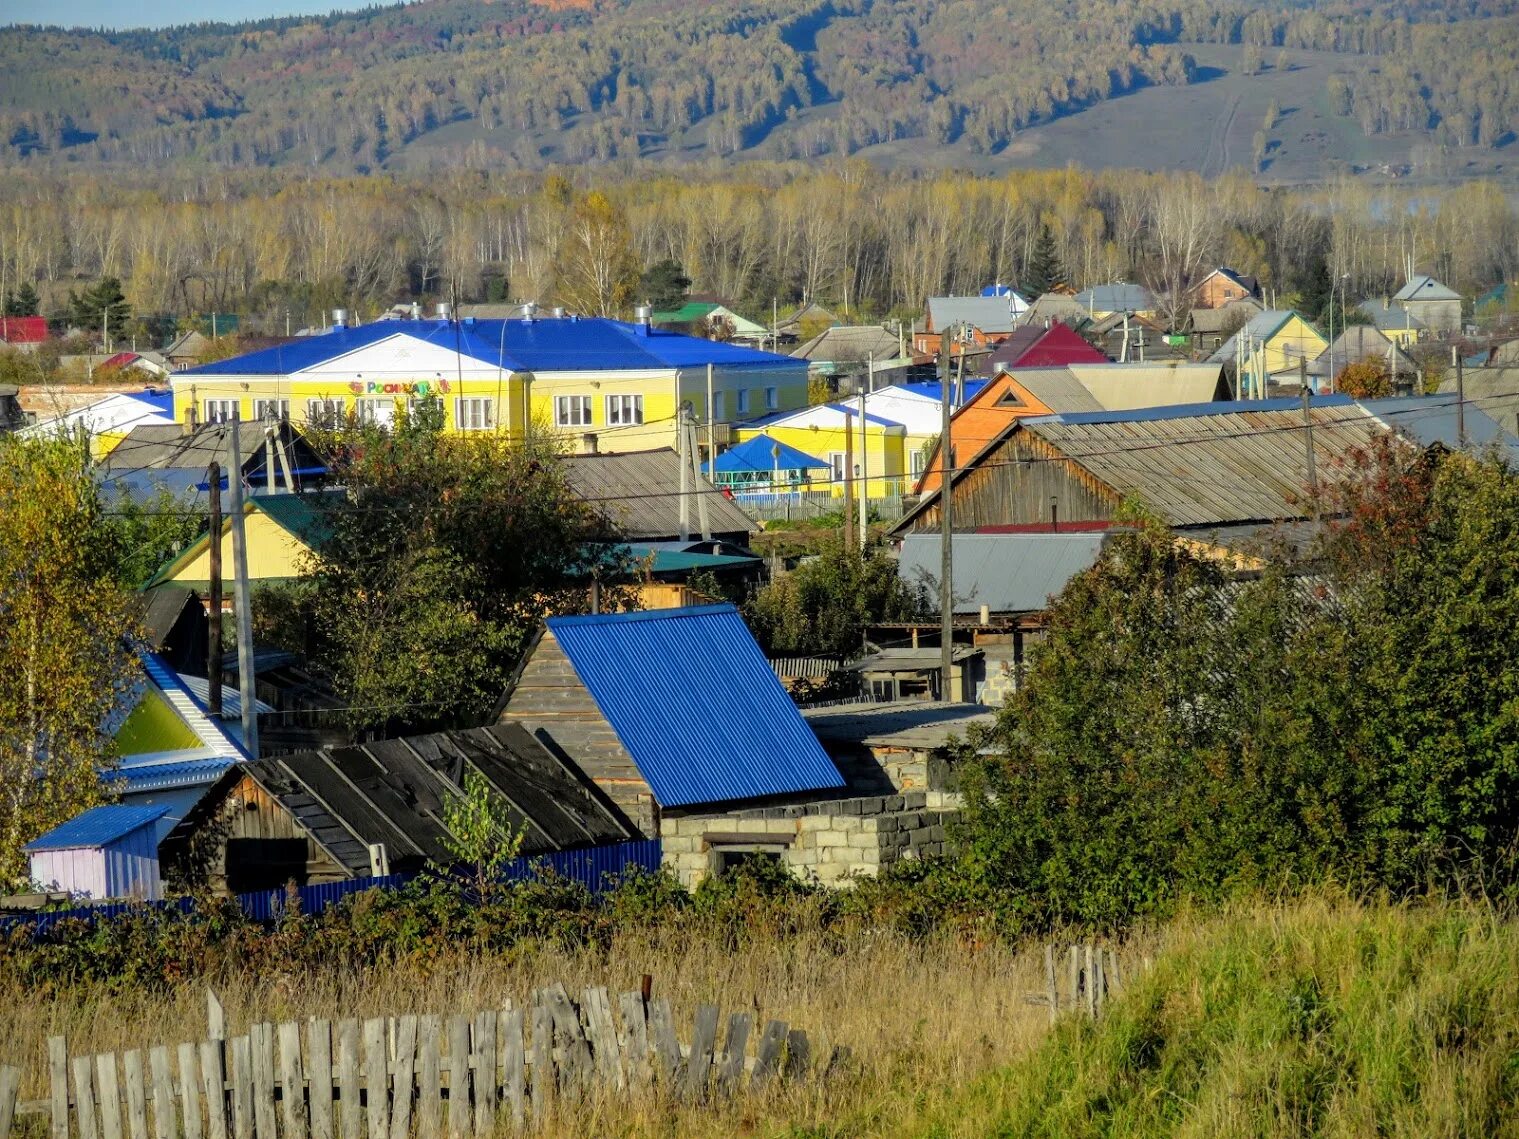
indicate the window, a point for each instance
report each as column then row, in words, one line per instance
column 918, row 464
column 572, row 410
column 838, row 471
column 743, row 401
column 378, row 412
column 719, row 407
column 474, row 414
column 624, row 409
column 221, row 410
column 266, row 409
column 772, row 399
column 324, row 413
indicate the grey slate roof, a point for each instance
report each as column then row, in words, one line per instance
column 1116, row 298
column 989, row 314
column 1008, row 573
column 393, row 792
column 1057, row 388
column 851, row 342
column 1390, row 317
column 1053, row 306
column 1362, row 342
column 1425, row 288
column 913, row 724
column 640, row 491
column 1212, row 321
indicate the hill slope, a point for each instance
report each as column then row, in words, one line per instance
column 983, row 83
column 1309, row 1019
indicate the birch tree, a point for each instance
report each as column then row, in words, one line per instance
column 66, row 655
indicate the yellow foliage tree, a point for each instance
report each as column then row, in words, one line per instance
column 596, row 271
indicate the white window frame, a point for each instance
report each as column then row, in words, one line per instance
column 221, row 410
column 838, row 470
column 624, row 410
column 377, row 411
column 743, row 401
column 772, row 399
column 325, row 411
column 572, row 411
column 918, row 462
column 474, row 413
column 281, row 410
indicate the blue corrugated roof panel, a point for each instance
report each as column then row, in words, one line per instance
column 758, row 454
column 164, row 776
column 99, row 826
column 543, row 345
column 696, row 704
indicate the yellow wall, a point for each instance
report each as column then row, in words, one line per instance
column 273, row 553
column 1286, row 346
column 886, row 450
column 510, row 396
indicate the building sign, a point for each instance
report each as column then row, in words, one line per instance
column 415, row 388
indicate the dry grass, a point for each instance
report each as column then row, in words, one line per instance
column 920, row 1018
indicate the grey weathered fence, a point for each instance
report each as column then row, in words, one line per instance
column 393, row 1077
column 1094, row 974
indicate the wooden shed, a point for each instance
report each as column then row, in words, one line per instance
column 348, row 812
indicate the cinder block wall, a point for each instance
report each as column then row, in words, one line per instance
column 828, row 842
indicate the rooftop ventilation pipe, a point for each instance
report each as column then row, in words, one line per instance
column 558, row 311
column 643, row 314
column 339, row 318
column 441, row 310
column 528, row 311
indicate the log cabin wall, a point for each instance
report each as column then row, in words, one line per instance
column 550, row 701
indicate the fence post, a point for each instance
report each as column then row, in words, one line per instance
column 10, row 1084
column 319, row 1075
column 1052, row 990
column 84, row 1096
column 216, row 1017
column 58, row 1077
column 1091, row 987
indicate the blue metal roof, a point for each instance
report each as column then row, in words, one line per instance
column 99, row 826
column 168, row 776
column 934, row 389
column 696, row 704
column 556, row 344
column 757, row 454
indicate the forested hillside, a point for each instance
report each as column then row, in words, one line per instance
column 461, row 82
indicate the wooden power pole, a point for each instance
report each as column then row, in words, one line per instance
column 214, row 663
column 241, row 599
column 946, row 528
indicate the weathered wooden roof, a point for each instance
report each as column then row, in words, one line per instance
column 394, row 791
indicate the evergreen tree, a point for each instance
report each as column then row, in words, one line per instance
column 664, row 284
column 23, row 302
column 1044, row 270
column 103, row 305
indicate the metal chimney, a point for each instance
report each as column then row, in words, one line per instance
column 643, row 314
column 339, row 318
column 558, row 311
column 528, row 311
column 441, row 310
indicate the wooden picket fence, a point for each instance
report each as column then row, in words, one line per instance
column 393, row 1077
column 1094, row 975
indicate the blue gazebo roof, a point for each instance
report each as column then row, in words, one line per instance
column 758, row 454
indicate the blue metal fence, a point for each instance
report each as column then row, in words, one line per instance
column 595, row 868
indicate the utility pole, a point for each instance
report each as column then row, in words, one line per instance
column 214, row 649
column 1313, row 476
column 848, row 480
column 241, row 600
column 702, row 517
column 946, row 530
column 1455, row 355
column 685, row 478
column 864, row 474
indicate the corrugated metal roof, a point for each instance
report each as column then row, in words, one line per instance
column 1008, row 573
column 696, row 704
column 99, row 826
column 1116, row 298
column 859, row 342
column 1057, row 388
column 1163, row 383
column 1425, row 288
column 585, row 344
column 759, row 454
column 1237, row 462
column 989, row 314
column 139, row 778
column 640, row 491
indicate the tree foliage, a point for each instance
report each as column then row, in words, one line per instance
column 102, row 307
column 1045, row 270
column 664, row 285
column 823, row 606
column 1184, row 735
column 444, row 554
column 67, row 636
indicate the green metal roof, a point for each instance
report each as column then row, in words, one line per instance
column 686, row 313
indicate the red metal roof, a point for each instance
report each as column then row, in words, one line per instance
column 23, row 329
column 1052, row 347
